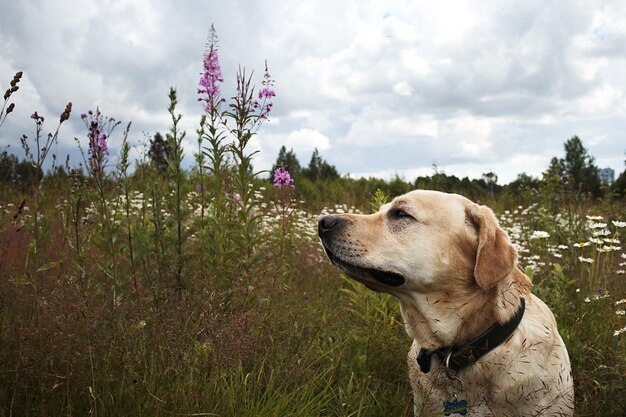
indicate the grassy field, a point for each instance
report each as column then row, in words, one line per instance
column 122, row 300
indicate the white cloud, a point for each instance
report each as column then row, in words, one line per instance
column 377, row 126
column 471, row 133
column 403, row 88
column 378, row 87
column 302, row 141
column 414, row 62
column 602, row 100
column 406, row 174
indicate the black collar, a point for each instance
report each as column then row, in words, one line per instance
column 460, row 357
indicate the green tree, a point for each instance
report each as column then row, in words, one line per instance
column 288, row 160
column 490, row 179
column 555, row 168
column 328, row 171
column 319, row 169
column 8, row 162
column 22, row 174
column 397, row 186
column 314, row 169
column 580, row 169
column 619, row 185
column 159, row 152
column 552, row 185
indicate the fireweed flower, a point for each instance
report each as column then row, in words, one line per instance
column 98, row 149
column 209, row 90
column 237, row 199
column 284, row 182
column 265, row 95
column 282, row 179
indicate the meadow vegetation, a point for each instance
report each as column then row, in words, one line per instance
column 150, row 288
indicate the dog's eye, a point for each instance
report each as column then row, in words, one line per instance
column 400, row 214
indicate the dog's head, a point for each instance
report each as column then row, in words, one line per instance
column 422, row 241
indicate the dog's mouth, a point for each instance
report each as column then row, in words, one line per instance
column 359, row 273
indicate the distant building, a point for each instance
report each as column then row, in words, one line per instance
column 607, row 175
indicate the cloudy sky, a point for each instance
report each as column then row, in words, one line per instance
column 379, row 87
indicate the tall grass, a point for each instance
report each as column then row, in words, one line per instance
column 311, row 344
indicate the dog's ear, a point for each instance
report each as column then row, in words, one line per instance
column 495, row 257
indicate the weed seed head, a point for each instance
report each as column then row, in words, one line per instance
column 66, row 113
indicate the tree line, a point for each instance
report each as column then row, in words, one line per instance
column 319, row 182
column 573, row 174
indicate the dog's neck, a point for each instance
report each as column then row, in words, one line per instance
column 458, row 313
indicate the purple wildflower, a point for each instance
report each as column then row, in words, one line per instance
column 237, row 199
column 37, row 118
column 209, row 90
column 98, row 149
column 240, row 203
column 282, row 179
column 284, row 182
column 266, row 94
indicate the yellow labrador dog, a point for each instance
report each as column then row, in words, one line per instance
column 483, row 345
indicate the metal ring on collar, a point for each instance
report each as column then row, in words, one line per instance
column 447, row 359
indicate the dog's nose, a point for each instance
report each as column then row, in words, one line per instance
column 325, row 223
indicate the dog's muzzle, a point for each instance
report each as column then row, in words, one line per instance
column 329, row 228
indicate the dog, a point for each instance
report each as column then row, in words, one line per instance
column 483, row 345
